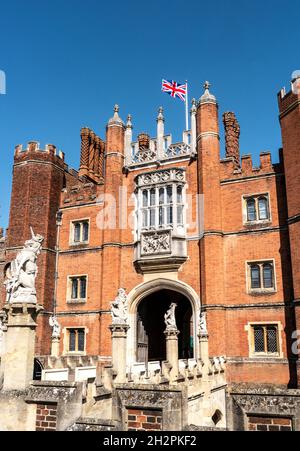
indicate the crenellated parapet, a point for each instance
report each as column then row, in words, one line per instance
column 229, row 170
column 33, row 151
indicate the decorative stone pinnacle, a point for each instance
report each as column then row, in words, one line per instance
column 116, row 108
column 129, row 123
column 160, row 116
column 194, row 106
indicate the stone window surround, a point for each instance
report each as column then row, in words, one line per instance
column 72, row 228
column 245, row 198
column 69, row 289
column 177, row 230
column 260, row 291
column 65, row 333
column 249, row 328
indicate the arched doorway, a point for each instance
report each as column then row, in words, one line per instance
column 37, row 370
column 151, row 343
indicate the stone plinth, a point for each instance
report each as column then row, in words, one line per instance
column 119, row 350
column 172, row 351
column 18, row 361
column 55, row 346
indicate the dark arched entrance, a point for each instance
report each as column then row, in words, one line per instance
column 151, row 343
column 37, row 370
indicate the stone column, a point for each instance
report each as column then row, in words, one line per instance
column 171, row 334
column 20, row 344
column 203, row 348
column 119, row 350
column 193, row 126
column 55, row 346
column 160, row 133
column 128, row 141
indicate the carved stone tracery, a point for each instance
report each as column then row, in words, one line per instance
column 156, row 243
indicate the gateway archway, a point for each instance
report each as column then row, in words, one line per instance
column 151, row 343
column 147, row 304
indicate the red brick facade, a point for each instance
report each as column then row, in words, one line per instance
column 216, row 268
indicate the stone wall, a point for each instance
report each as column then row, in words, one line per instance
column 262, row 408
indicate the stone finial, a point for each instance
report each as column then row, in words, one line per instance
column 207, row 97
column 202, row 324
column 116, row 118
column 232, row 136
column 194, row 106
column 129, row 123
column 160, row 116
column 55, row 327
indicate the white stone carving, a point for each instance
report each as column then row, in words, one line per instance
column 20, row 281
column 155, row 243
column 177, row 150
column 144, row 155
column 56, row 329
column 158, row 177
column 170, row 319
column 119, row 308
column 203, row 324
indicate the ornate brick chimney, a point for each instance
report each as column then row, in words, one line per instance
column 232, row 136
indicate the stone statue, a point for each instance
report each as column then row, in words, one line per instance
column 170, row 319
column 55, row 327
column 203, row 324
column 21, row 275
column 119, row 308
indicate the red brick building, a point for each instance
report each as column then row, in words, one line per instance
column 168, row 223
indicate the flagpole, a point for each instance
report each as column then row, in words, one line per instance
column 187, row 107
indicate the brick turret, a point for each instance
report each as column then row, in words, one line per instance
column 289, row 108
column 111, row 256
column 211, row 245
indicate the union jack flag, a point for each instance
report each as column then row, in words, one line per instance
column 174, row 89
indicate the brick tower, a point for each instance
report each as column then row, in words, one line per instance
column 38, row 178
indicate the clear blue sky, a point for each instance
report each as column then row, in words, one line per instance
column 68, row 62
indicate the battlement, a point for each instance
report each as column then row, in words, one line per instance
column 287, row 100
column 230, row 171
column 34, row 151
